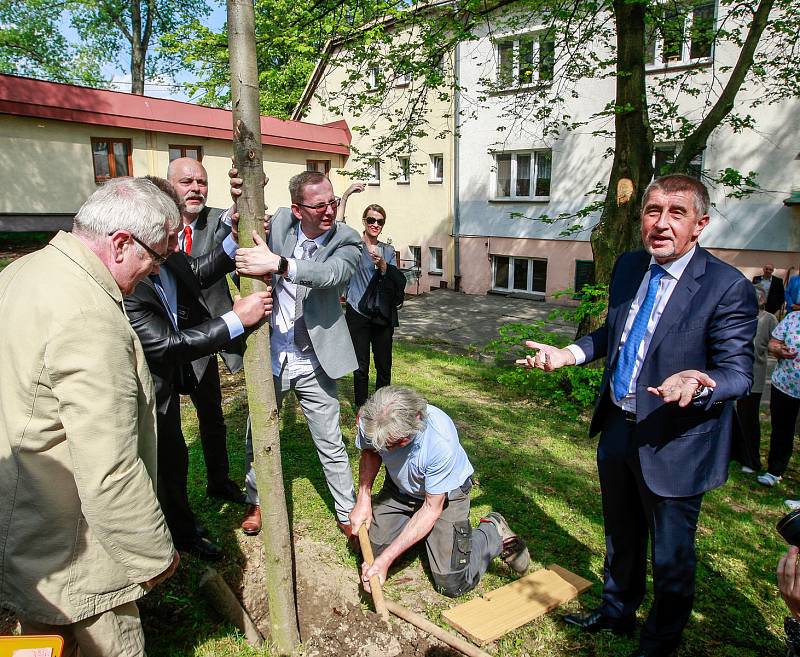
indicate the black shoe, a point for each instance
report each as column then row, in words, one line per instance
column 654, row 652
column 226, row 490
column 201, row 547
column 594, row 621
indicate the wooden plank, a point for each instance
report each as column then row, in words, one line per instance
column 488, row 618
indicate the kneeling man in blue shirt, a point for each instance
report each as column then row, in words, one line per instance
column 425, row 495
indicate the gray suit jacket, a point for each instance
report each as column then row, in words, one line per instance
column 209, row 232
column 325, row 275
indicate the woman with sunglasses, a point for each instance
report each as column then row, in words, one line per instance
column 376, row 259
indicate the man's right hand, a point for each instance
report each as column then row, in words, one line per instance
column 152, row 583
column 254, row 307
column 547, row 357
column 361, row 515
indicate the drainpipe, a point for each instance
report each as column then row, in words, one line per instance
column 456, row 171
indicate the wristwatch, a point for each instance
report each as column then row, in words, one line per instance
column 283, row 266
column 700, row 390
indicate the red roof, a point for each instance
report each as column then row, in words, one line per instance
column 65, row 102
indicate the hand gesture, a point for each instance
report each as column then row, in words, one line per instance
column 355, row 188
column 236, row 192
column 254, row 307
column 547, row 357
column 680, row 387
column 258, row 260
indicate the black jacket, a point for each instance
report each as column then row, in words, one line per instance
column 775, row 297
column 177, row 359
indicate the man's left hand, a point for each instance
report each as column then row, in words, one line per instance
column 789, row 580
column 257, row 260
column 379, row 567
column 681, row 387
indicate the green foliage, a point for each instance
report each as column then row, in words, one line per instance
column 570, row 389
column 593, row 301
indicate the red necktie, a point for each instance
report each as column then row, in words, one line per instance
column 187, row 240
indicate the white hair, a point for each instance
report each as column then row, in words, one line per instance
column 392, row 414
column 135, row 205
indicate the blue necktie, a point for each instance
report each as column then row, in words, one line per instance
column 627, row 357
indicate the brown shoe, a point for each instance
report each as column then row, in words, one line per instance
column 352, row 539
column 251, row 523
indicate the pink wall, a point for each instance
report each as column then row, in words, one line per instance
column 476, row 265
column 751, row 263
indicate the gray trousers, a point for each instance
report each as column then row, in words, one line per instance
column 116, row 632
column 458, row 554
column 317, row 394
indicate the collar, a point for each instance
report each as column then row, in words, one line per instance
column 191, row 225
column 85, row 258
column 676, row 267
column 321, row 240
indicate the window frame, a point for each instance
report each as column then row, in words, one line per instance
column 373, row 78
column 183, row 148
column 664, row 147
column 432, row 178
column 404, row 175
column 655, row 40
column 530, row 277
column 374, row 172
column 311, row 165
column 436, row 260
column 112, row 165
column 416, row 257
column 533, row 175
column 536, row 38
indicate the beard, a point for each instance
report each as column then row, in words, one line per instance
column 194, row 208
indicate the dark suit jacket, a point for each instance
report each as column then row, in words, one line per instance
column 200, row 333
column 775, row 297
column 209, row 232
column 708, row 324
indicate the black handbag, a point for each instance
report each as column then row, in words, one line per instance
column 373, row 303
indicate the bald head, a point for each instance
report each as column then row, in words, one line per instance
column 190, row 180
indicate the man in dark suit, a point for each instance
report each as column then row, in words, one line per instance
column 180, row 333
column 678, row 347
column 773, row 287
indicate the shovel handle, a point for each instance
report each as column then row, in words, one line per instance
column 374, row 581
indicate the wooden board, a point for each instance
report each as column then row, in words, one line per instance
column 509, row 607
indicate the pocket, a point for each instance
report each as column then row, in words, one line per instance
column 462, row 545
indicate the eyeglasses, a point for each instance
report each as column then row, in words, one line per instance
column 157, row 258
column 322, row 207
column 374, row 220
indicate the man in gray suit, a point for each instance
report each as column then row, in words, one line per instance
column 203, row 230
column 311, row 257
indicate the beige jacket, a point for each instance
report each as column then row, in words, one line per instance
column 80, row 526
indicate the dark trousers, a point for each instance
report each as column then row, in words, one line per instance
column 783, row 410
column 632, row 514
column 748, row 450
column 207, row 400
column 173, row 472
column 364, row 334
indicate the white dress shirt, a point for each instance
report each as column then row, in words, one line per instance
column 285, row 353
column 666, row 287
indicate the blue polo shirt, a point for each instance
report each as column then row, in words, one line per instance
column 434, row 462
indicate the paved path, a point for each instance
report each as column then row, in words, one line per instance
column 469, row 320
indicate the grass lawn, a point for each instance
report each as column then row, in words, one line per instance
column 538, row 468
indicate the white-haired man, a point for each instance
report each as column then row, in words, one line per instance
column 425, row 494
column 81, row 533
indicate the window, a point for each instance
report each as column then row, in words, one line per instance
column 322, row 166
column 404, row 164
column 679, row 36
column 374, row 172
column 584, row 275
column 177, row 150
column 664, row 156
column 111, row 158
column 373, row 78
column 402, row 80
column 525, row 59
column 514, row 274
column 436, row 260
column 524, row 175
column 416, row 255
column 437, row 168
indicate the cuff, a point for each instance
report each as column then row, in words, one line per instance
column 230, row 246
column 235, row 326
column 225, row 217
column 575, row 350
column 291, row 271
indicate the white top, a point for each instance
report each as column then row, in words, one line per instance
column 666, row 286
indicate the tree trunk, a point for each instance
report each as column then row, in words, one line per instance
column 138, row 49
column 632, row 168
column 258, row 362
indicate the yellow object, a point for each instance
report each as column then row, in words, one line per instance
column 31, row 646
column 509, row 607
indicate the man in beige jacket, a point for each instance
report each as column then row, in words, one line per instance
column 81, row 533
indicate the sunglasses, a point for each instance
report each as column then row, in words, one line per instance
column 373, row 220
column 322, row 207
